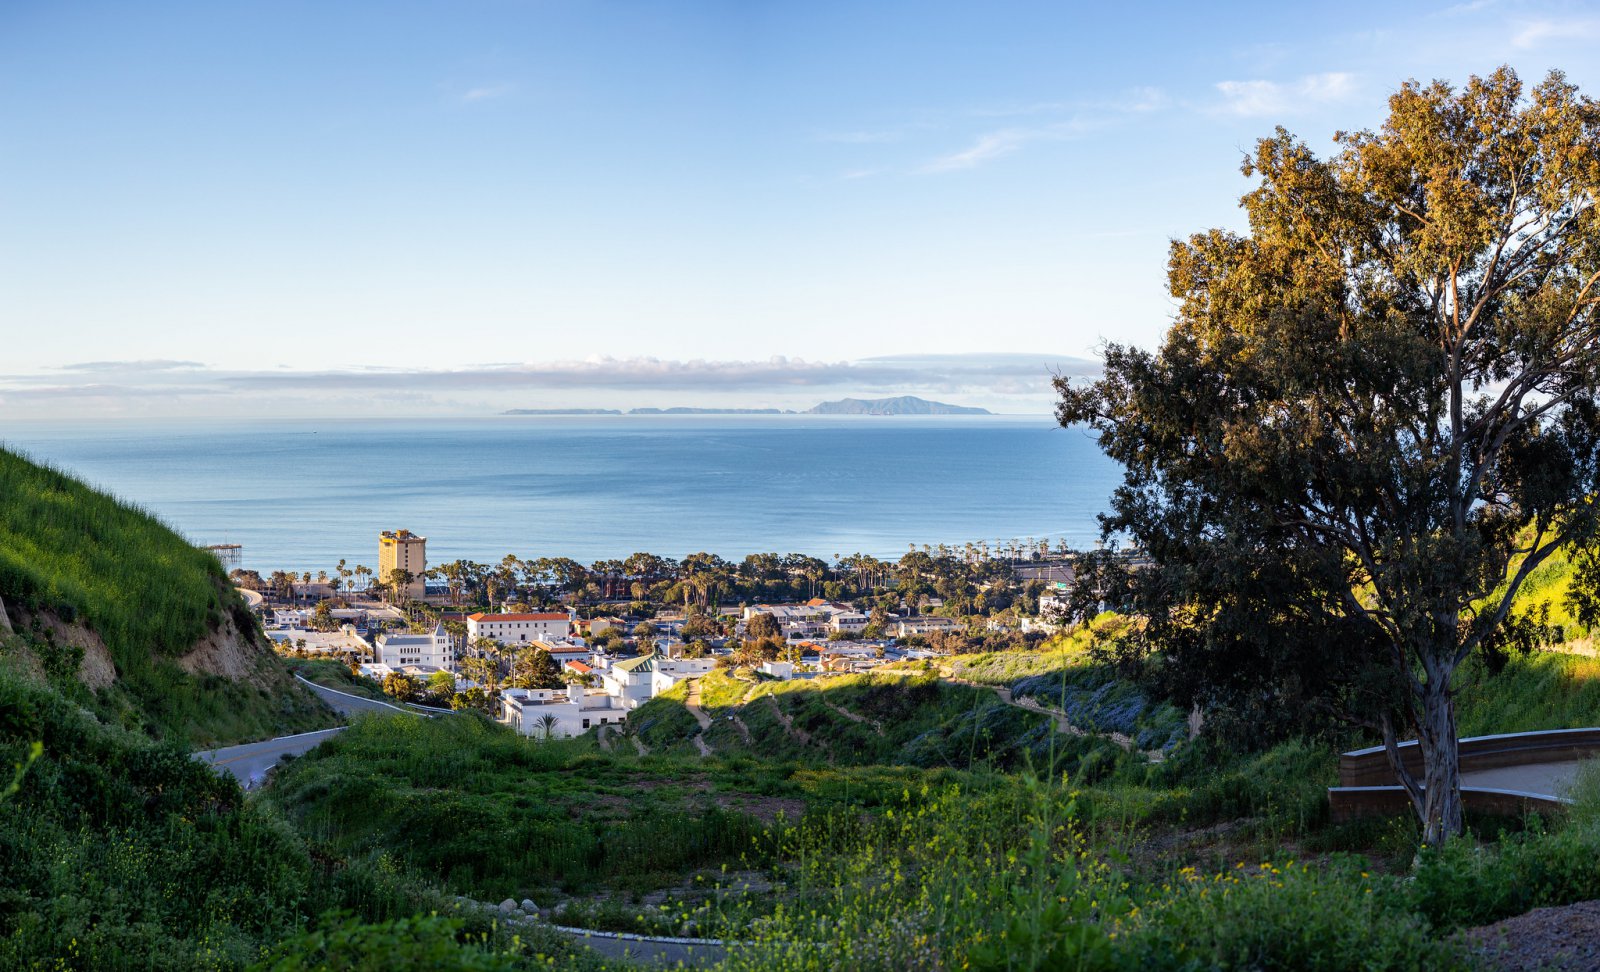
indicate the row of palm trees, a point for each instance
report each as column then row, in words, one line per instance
column 700, row 579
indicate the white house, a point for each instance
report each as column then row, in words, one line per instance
column 564, row 650
column 781, row 670
column 848, row 621
column 797, row 621
column 432, row 648
column 923, row 625
column 670, row 671
column 512, row 629
column 573, row 710
column 634, row 681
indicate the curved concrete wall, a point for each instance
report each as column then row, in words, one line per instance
column 1370, row 767
column 1368, row 786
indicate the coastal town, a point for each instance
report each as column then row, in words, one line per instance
column 554, row 648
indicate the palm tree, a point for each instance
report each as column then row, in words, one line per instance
column 547, row 725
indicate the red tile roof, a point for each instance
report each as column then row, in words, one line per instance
column 480, row 616
column 579, row 667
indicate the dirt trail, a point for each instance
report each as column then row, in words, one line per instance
column 800, row 735
column 744, row 730
column 1062, row 723
column 855, row 717
column 605, row 743
column 692, row 703
column 640, row 746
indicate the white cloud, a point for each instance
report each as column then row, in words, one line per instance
column 1087, row 116
column 989, row 146
column 1536, row 33
column 486, row 92
column 1256, row 98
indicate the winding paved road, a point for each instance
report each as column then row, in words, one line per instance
column 651, row 951
column 251, row 761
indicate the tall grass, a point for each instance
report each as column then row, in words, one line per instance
column 119, row 853
column 83, row 556
column 1544, row 690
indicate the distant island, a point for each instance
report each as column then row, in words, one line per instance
column 904, row 405
column 561, row 411
column 681, row 410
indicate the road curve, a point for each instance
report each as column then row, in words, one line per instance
column 650, row 951
column 348, row 705
column 249, row 762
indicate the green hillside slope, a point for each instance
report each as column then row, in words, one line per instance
column 130, row 620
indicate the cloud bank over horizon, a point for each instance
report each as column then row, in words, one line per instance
column 1018, row 382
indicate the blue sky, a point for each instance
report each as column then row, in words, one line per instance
column 455, row 208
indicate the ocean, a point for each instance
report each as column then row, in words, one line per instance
column 301, row 495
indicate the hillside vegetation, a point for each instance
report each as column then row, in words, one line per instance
column 120, row 853
column 103, row 594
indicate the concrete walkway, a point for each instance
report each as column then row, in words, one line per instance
column 1544, row 779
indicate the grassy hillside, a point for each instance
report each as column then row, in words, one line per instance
column 850, row 720
column 119, row 853
column 73, row 557
column 1188, row 864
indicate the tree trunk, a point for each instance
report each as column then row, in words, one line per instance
column 1441, row 762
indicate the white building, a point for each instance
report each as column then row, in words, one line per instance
column 797, row 621
column 512, row 629
column 671, row 671
column 924, row 625
column 564, row 650
column 848, row 621
column 573, row 710
column 433, row 649
column 781, row 670
column 634, row 681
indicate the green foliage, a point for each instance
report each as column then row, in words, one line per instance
column 1463, row 884
column 80, row 556
column 1542, row 690
column 120, row 853
column 1293, row 916
column 415, row 944
column 1375, row 413
column 492, row 813
column 77, row 553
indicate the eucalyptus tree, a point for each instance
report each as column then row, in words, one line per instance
column 1375, row 413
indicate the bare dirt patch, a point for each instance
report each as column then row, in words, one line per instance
column 96, row 669
column 1562, row 938
column 233, row 654
column 764, row 808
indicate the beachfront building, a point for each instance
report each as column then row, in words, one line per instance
column 518, row 629
column 403, row 550
column 431, row 648
column 572, row 711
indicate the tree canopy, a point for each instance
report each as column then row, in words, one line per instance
column 1375, row 413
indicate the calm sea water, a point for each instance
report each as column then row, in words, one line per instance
column 301, row 495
